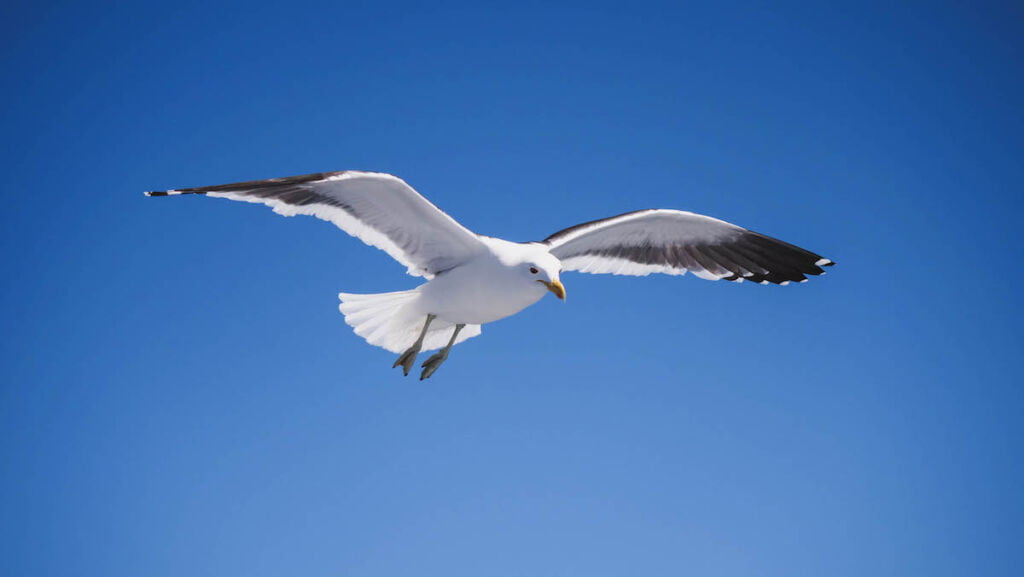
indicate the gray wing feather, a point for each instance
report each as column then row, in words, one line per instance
column 675, row 242
column 379, row 209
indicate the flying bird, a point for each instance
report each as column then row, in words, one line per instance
column 474, row 279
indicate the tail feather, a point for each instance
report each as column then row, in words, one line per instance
column 393, row 321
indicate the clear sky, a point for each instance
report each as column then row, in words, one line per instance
column 181, row 397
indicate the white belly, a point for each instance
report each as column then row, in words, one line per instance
column 479, row 292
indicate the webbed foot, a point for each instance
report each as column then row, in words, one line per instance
column 430, row 365
column 407, row 359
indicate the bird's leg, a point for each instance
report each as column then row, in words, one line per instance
column 408, row 358
column 431, row 364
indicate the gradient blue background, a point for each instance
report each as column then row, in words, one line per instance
column 181, row 397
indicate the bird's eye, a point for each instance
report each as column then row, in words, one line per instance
column 533, row 270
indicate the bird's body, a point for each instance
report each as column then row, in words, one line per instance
column 485, row 289
column 473, row 279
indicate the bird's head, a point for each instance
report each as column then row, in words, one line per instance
column 544, row 269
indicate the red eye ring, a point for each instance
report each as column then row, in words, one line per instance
column 533, row 270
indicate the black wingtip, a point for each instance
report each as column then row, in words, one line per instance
column 174, row 192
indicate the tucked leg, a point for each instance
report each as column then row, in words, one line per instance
column 431, row 364
column 408, row 358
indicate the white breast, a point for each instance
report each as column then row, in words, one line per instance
column 481, row 291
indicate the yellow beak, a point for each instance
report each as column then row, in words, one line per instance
column 555, row 287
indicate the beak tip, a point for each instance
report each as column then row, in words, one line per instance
column 556, row 288
column 559, row 290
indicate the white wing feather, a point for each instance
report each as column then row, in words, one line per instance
column 675, row 242
column 379, row 209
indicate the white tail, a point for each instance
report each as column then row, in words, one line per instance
column 393, row 321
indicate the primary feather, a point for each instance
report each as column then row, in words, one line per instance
column 379, row 209
column 674, row 242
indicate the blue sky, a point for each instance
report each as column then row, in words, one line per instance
column 181, row 397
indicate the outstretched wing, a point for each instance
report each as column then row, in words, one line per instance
column 674, row 241
column 379, row 209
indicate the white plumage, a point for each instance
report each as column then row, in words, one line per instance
column 474, row 279
column 393, row 320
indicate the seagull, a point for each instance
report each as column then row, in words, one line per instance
column 472, row 279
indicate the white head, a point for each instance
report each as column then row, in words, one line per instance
column 542, row 267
